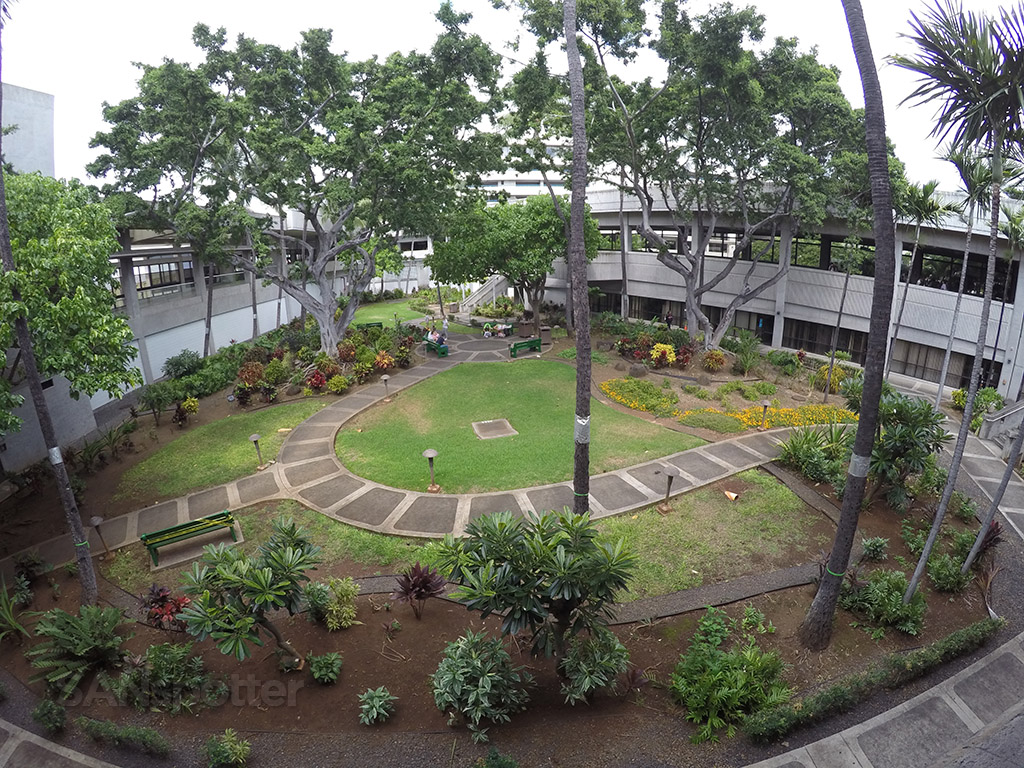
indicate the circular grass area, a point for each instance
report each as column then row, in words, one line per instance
column 385, row 444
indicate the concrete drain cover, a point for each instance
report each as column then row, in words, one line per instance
column 487, row 430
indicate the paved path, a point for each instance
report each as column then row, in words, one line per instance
column 975, row 718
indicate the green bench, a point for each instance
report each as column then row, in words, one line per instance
column 364, row 326
column 433, row 346
column 215, row 522
column 523, row 346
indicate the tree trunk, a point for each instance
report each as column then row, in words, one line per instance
column 956, row 309
column 83, row 557
column 816, row 630
column 835, row 338
column 578, row 265
column 268, row 626
column 979, row 356
column 208, row 336
column 999, row 327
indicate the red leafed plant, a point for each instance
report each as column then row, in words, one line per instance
column 416, row 585
column 346, row 351
column 162, row 608
column 316, row 380
column 251, row 373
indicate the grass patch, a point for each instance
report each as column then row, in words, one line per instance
column 713, row 420
column 378, row 552
column 214, row 453
column 538, row 399
column 596, row 355
column 707, row 538
column 385, row 311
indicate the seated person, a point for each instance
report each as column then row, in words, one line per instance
column 487, row 330
column 434, row 336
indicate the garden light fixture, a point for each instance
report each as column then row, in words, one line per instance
column 430, row 454
column 95, row 522
column 765, row 404
column 385, row 378
column 671, row 473
column 259, row 456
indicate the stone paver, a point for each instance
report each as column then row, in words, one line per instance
column 293, row 452
column 732, row 453
column 555, row 497
column 653, row 476
column 994, row 688
column 207, row 502
column 301, row 474
column 700, row 467
column 612, row 492
column 330, row 492
column 488, row 505
column 373, row 507
column 155, row 518
column 433, row 514
column 917, row 736
column 259, row 486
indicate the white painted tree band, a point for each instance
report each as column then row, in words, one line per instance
column 581, row 433
column 859, row 465
column 55, row 457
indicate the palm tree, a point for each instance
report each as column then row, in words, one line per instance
column 974, row 64
column 578, row 264
column 1013, row 229
column 816, row 630
column 977, row 179
column 922, row 207
column 83, row 558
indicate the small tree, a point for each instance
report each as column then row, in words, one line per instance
column 548, row 574
column 417, row 585
column 232, row 592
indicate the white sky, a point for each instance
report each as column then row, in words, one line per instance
column 82, row 53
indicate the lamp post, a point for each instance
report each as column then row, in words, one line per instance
column 95, row 521
column 430, row 454
column 259, row 456
column 765, row 405
column 671, row 473
column 385, row 378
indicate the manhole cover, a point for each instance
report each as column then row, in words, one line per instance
column 486, row 430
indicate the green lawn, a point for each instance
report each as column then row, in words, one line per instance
column 386, row 443
column 707, row 538
column 385, row 311
column 214, row 453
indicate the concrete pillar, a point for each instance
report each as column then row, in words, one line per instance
column 785, row 247
column 126, row 274
column 1013, row 357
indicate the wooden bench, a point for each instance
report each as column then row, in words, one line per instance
column 215, row 522
column 433, row 346
column 364, row 326
column 522, row 346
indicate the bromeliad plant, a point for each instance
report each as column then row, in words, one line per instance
column 417, row 585
column 163, row 609
column 233, row 593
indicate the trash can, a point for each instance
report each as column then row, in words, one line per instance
column 545, row 334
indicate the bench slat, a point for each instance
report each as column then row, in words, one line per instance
column 217, row 521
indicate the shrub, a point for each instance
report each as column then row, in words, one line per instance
column 713, row 360
column 663, row 355
column 495, row 759
column 787, row 362
column 162, row 608
column 963, row 507
column 275, row 372
column 985, row 398
column 696, row 391
column 880, row 600
column 327, row 365
column 875, row 548
column 719, row 688
column 190, row 406
column 9, row 624
column 148, row 740
column 166, row 678
column 476, row 681
column 713, row 420
column 325, row 668
column 383, row 361
column 227, row 750
column 51, row 715
column 182, row 364
column 75, row 646
column 839, row 373
column 746, row 361
column 338, row 385
column 332, row 603
column 944, row 572
column 376, row 705
column 913, row 537
column 316, row 381
column 362, row 371
column 592, row 663
column 417, row 585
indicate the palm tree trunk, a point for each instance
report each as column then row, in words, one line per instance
column 999, row 327
column 816, row 630
column 208, row 282
column 979, row 354
column 835, row 338
column 578, row 265
column 623, row 250
column 956, row 308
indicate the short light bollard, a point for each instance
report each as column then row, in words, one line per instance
column 765, row 405
column 671, row 473
column 385, row 378
column 259, row 455
column 95, row 522
column 430, row 454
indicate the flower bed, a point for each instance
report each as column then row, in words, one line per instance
column 642, row 396
column 802, row 416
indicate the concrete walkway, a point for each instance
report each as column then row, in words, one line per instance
column 972, row 719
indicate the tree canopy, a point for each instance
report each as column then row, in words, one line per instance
column 364, row 150
column 517, row 240
column 62, row 238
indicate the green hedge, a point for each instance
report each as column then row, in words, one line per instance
column 894, row 670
